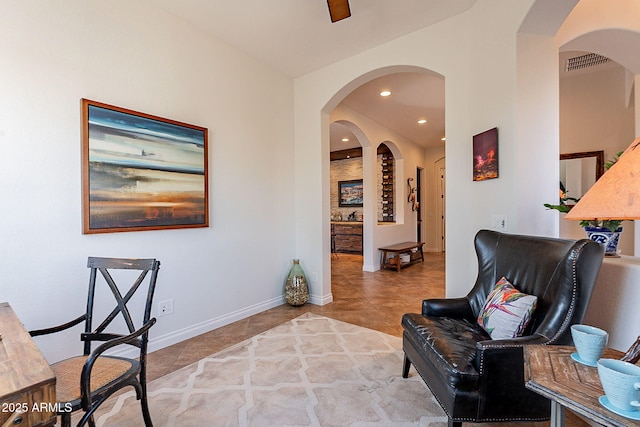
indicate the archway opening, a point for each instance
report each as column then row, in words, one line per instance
column 412, row 149
column 346, row 188
column 596, row 115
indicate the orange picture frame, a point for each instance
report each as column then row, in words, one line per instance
column 141, row 172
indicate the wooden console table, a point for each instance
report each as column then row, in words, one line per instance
column 550, row 371
column 27, row 383
column 412, row 249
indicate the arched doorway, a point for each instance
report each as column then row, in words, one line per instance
column 578, row 26
column 346, row 187
column 409, row 154
column 614, row 37
column 596, row 115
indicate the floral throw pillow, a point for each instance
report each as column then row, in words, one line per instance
column 507, row 311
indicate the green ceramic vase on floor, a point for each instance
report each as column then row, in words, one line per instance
column 296, row 290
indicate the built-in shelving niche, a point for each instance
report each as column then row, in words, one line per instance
column 386, row 184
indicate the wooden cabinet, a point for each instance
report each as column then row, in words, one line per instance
column 347, row 237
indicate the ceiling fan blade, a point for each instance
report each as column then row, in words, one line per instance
column 338, row 9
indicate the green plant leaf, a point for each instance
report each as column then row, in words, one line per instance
column 560, row 208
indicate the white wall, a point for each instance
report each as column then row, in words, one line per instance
column 537, row 133
column 476, row 54
column 594, row 114
column 134, row 56
column 615, row 301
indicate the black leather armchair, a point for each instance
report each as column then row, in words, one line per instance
column 475, row 378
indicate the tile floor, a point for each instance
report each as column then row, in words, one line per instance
column 373, row 300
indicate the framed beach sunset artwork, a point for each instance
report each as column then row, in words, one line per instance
column 141, row 172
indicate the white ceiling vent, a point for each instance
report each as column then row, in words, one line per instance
column 585, row 61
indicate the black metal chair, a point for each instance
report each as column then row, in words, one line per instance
column 85, row 382
column 333, row 242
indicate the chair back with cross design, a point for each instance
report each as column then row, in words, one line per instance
column 85, row 382
column 103, row 267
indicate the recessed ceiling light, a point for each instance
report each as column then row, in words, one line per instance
column 385, row 93
column 443, row 139
column 345, row 139
column 422, row 121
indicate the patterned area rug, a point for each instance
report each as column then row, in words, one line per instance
column 311, row 371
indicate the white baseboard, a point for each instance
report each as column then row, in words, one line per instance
column 157, row 343
column 321, row 300
column 371, row 267
column 208, row 325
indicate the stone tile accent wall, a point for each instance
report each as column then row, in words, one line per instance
column 344, row 170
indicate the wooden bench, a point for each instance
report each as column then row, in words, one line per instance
column 394, row 261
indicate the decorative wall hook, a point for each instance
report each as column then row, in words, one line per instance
column 412, row 195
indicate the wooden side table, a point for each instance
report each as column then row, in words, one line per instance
column 550, row 371
column 27, row 383
column 412, row 249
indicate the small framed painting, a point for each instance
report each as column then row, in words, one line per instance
column 485, row 155
column 141, row 172
column 350, row 193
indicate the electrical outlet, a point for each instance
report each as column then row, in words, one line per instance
column 165, row 307
column 499, row 222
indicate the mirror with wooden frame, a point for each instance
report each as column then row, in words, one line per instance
column 578, row 172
